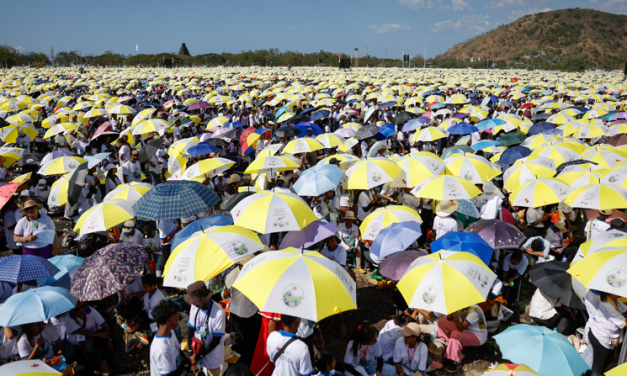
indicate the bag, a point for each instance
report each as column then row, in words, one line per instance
column 437, row 350
column 69, row 371
column 136, row 345
column 278, row 354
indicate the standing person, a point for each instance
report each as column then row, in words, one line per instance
column 167, row 230
column 444, row 221
column 365, row 204
column 111, row 179
column 596, row 226
column 26, row 228
column 289, row 354
column 9, row 222
column 207, row 324
column 349, row 235
column 466, row 327
column 131, row 170
column 165, row 354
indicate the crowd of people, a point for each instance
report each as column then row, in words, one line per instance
column 352, row 147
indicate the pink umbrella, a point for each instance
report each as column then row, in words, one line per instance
column 102, row 128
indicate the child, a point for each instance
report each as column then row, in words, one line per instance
column 152, row 297
column 364, row 356
column 325, row 363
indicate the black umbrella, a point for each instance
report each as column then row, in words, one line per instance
column 403, row 117
column 149, row 150
column 76, row 183
column 231, row 202
column 510, row 139
column 367, row 131
column 288, row 132
column 553, row 280
column 34, row 157
column 260, row 102
column 506, row 104
column 217, row 142
column 540, row 116
column 234, row 134
column 561, row 167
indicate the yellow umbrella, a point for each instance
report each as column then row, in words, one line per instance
column 417, row 168
column 303, row 145
column 372, row 173
column 446, row 187
column 383, row 217
column 541, row 192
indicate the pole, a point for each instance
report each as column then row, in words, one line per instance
column 425, row 59
column 386, row 50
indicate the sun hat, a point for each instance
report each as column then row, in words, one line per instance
column 446, row 207
column 30, row 204
column 197, row 294
column 350, row 215
column 412, row 329
column 235, row 178
column 605, row 211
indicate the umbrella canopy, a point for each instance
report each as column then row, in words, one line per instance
column 473, row 168
column 511, row 155
column 384, row 217
column 610, row 238
column 208, row 168
column 108, row 270
column 28, row 368
column 543, row 350
column 200, row 224
column 499, row 234
column 511, row 370
column 208, row 253
column 175, row 199
column 231, row 202
column 271, row 163
column 512, row 139
column 464, row 242
column 288, row 132
column 268, row 212
column 6, row 192
column 441, row 282
column 394, row 266
column 318, row 179
column 303, row 145
column 130, row 192
column 22, row 268
column 553, row 281
column 371, row 173
column 60, row 166
column 403, row 117
column 446, row 188
column 602, row 271
column 523, row 173
column 313, row 233
column 541, row 192
column 149, row 150
column 36, row 305
column 395, row 238
column 103, row 216
column 367, row 131
column 296, row 283
column 598, row 196
column 417, row 168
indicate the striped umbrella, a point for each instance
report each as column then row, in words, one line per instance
column 21, row 268
column 175, row 199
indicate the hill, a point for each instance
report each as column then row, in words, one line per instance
column 593, row 38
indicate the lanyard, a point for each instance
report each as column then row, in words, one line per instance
column 410, row 359
column 363, row 355
column 33, row 223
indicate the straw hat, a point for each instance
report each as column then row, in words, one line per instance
column 350, row 215
column 234, row 179
column 446, row 208
column 30, row 204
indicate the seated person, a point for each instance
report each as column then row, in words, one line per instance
column 494, row 301
column 152, row 297
column 466, row 327
column 37, row 340
column 325, row 363
column 514, row 266
column 411, row 356
column 549, row 313
column 8, row 341
column 131, row 299
column 538, row 247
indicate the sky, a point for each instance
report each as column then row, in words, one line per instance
column 211, row 26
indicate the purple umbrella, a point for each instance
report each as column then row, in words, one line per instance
column 395, row 266
column 499, row 234
column 108, row 271
column 310, row 235
column 198, row 106
column 460, row 115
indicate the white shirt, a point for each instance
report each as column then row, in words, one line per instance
column 8, row 218
column 545, row 243
column 295, row 360
column 411, row 359
column 132, row 171
column 442, row 225
column 94, row 321
column 207, row 327
column 520, row 268
column 533, row 215
column 50, row 336
column 348, row 236
column 542, row 306
column 124, row 154
column 154, row 160
column 7, row 347
column 338, row 254
column 151, row 302
column 388, row 336
column 26, row 227
column 365, row 354
column 136, row 238
column 475, row 317
column 595, row 227
column 164, row 355
column 165, row 229
column 364, row 199
column 604, row 320
column 554, row 237
column 133, row 288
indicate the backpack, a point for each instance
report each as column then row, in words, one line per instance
column 437, row 350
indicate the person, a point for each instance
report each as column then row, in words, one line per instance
column 325, row 363
column 535, row 218
column 8, row 344
column 167, row 229
column 363, row 356
column 537, row 246
column 111, row 179
column 37, row 340
column 602, row 331
column 334, row 252
column 153, row 247
column 444, row 221
column 365, row 204
column 207, row 324
column 411, row 356
column 289, row 354
column 131, row 299
column 549, row 313
column 466, row 327
column 165, row 350
column 152, row 297
column 348, row 233
column 9, row 222
column 131, row 170
column 514, row 266
column 27, row 227
column 88, row 332
column 387, row 338
column 598, row 225
column 232, row 185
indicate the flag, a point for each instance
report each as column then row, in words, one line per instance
column 137, row 47
column 339, row 58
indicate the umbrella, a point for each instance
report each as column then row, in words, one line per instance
column 372, row 173
column 200, row 224
column 108, row 270
column 417, row 168
column 288, row 132
column 473, row 168
column 200, row 148
column 511, row 370
column 499, row 234
column 297, row 283
column 446, row 187
column 345, row 132
column 21, row 268
column 367, row 131
column 59, row 166
column 53, row 155
column 543, row 350
column 464, row 242
column 603, row 270
column 331, row 140
column 394, row 266
column 6, row 192
column 130, row 192
column 395, row 238
column 617, row 140
column 65, row 263
column 467, row 207
column 553, row 281
column 540, row 127
column 429, row 134
column 541, row 192
column 512, row 139
column 149, row 150
column 34, row 157
column 522, row 173
column 207, row 253
column 302, row 127
column 445, row 282
column 384, row 217
column 28, row 368
column 318, row 179
column 271, row 163
column 562, row 166
column 511, row 155
column 103, row 216
column 616, row 371
column 458, row 149
column 198, row 105
column 229, row 203
column 403, row 117
column 558, row 153
column 485, row 144
column 303, row 145
column 540, row 116
column 610, row 238
column 268, row 212
column 175, row 199
column 313, row 233
column 76, row 183
column 208, row 167
column 412, row 125
column 462, row 128
column 598, row 196
column 36, row 305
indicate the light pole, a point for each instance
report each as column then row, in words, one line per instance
column 356, row 57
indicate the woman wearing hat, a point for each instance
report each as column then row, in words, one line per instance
column 444, row 221
column 111, row 181
column 27, row 227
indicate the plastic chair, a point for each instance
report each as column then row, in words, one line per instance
column 352, row 256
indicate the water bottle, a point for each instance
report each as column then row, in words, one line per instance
column 124, row 326
column 564, row 259
column 511, row 284
column 434, row 334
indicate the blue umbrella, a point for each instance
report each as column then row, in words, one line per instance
column 464, row 242
column 436, row 106
column 96, row 159
column 397, row 237
column 21, row 268
column 36, row 305
column 201, row 148
column 175, row 199
column 303, row 126
column 467, row 207
column 320, row 114
column 511, row 155
column 281, row 110
column 462, row 128
column 489, row 124
column 236, row 124
column 318, row 179
column 200, row 225
column 546, row 351
column 484, row 144
column 64, row 263
column 412, row 125
column 387, row 130
column 538, row 128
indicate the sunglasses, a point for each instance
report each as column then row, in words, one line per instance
column 30, row 209
column 79, row 308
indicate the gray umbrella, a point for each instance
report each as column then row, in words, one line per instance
column 367, row 131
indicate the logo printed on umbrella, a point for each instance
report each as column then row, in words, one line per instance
column 617, row 278
column 429, row 294
column 609, row 236
column 293, row 295
column 376, row 177
column 239, row 248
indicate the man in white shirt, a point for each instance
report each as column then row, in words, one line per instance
column 294, row 360
column 535, row 218
column 444, row 222
column 596, row 226
column 131, row 170
column 365, row 204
